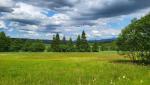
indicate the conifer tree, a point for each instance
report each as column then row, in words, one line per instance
column 64, row 40
column 84, row 43
column 57, row 43
column 70, row 45
column 53, row 46
column 78, row 43
column 63, row 45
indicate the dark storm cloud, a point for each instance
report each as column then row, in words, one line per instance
column 51, row 4
column 50, row 28
column 115, row 9
column 25, row 22
column 79, row 23
column 5, row 9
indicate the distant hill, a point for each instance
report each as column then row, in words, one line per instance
column 25, row 39
column 103, row 40
column 49, row 41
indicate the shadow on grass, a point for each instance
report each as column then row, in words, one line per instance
column 137, row 62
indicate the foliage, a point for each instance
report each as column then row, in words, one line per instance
column 4, row 42
column 37, row 46
column 70, row 47
column 95, row 47
column 63, row 45
column 27, row 46
column 108, row 46
column 56, row 43
column 135, row 39
column 84, row 43
column 16, row 45
column 78, row 44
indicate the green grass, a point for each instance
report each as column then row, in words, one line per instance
column 70, row 69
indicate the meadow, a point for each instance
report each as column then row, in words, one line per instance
column 103, row 68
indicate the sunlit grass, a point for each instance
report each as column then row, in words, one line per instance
column 70, row 69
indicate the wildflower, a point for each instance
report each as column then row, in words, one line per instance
column 141, row 81
column 111, row 82
column 124, row 77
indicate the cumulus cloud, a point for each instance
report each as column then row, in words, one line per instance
column 6, row 5
column 2, row 25
column 109, row 8
column 70, row 17
column 52, row 4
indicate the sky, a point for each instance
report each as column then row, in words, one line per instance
column 41, row 19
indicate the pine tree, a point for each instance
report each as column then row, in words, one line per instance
column 53, row 46
column 70, row 45
column 63, row 45
column 78, row 43
column 84, row 43
column 64, row 40
column 57, row 43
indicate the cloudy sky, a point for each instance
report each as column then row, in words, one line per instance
column 40, row 19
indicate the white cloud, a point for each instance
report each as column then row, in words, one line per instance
column 59, row 19
column 69, row 20
column 2, row 25
column 26, row 11
column 6, row 3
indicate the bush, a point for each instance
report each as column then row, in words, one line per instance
column 37, row 46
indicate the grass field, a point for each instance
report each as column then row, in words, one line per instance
column 105, row 68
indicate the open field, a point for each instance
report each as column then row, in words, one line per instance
column 70, row 69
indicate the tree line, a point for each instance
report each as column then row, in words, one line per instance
column 57, row 45
column 16, row 45
column 80, row 45
column 134, row 40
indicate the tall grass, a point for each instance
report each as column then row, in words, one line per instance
column 70, row 69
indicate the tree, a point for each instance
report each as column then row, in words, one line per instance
column 78, row 43
column 37, row 46
column 70, row 45
column 84, row 43
column 55, row 45
column 64, row 40
column 16, row 45
column 135, row 38
column 27, row 46
column 4, row 42
column 95, row 47
column 63, row 45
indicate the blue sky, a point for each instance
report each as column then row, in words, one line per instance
column 100, row 19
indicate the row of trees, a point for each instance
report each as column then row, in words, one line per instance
column 15, row 45
column 135, row 39
column 81, row 44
